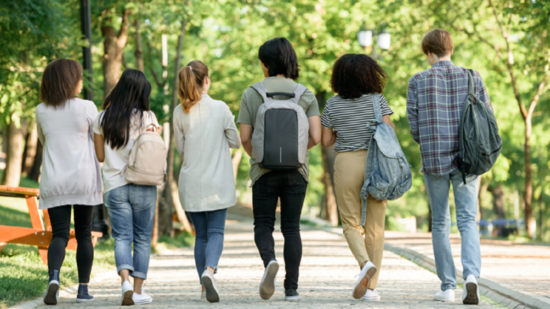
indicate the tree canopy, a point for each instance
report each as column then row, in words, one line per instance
column 506, row 41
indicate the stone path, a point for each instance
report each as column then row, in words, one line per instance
column 521, row 268
column 326, row 278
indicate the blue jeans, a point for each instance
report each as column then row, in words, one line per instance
column 209, row 230
column 465, row 195
column 132, row 211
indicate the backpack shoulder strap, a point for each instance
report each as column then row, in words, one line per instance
column 471, row 86
column 299, row 92
column 376, row 105
column 260, row 88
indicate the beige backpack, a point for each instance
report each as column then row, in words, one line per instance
column 147, row 160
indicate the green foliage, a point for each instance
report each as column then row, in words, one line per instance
column 33, row 33
column 226, row 36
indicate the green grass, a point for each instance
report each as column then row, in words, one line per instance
column 181, row 240
column 23, row 276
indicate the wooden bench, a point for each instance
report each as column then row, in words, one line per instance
column 38, row 235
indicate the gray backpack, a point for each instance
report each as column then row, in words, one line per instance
column 388, row 174
column 281, row 130
column 479, row 143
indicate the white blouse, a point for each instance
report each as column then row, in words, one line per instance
column 116, row 160
column 203, row 137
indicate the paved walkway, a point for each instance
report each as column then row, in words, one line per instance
column 521, row 268
column 326, row 278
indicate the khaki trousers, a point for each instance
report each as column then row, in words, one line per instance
column 349, row 174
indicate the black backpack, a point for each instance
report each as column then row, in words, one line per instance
column 479, row 143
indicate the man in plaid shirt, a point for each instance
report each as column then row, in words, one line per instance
column 434, row 104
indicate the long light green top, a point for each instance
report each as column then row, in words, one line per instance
column 203, row 138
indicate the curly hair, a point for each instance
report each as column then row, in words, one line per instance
column 354, row 75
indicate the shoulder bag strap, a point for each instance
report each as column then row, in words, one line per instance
column 471, row 86
column 377, row 111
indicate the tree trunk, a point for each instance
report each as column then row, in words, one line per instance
column 37, row 163
column 528, row 194
column 329, row 209
column 155, row 234
column 139, row 48
column 14, row 155
column 498, row 201
column 171, row 193
column 113, row 46
column 29, row 154
column 236, row 161
column 482, row 188
column 329, row 205
column 541, row 220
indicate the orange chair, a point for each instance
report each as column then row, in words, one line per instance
column 38, row 235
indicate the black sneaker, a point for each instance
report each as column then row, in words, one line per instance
column 292, row 295
column 83, row 295
column 51, row 297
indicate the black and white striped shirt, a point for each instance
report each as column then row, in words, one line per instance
column 350, row 119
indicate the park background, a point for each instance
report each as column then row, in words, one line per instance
column 506, row 41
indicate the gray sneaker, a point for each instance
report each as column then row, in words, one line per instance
column 51, row 296
column 267, row 285
column 212, row 293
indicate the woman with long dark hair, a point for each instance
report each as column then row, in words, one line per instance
column 70, row 171
column 131, row 207
column 356, row 79
column 205, row 129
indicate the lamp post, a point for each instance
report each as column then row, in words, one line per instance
column 364, row 36
column 86, row 26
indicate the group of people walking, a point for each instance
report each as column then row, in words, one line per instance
column 77, row 139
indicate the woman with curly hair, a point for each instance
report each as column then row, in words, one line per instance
column 355, row 78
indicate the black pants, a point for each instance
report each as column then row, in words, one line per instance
column 290, row 187
column 60, row 218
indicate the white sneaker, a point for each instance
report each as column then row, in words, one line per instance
column 203, row 295
column 267, row 285
column 142, row 298
column 212, row 294
column 371, row 295
column 360, row 287
column 470, row 293
column 127, row 294
column 445, row 296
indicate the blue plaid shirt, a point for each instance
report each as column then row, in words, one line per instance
column 434, row 105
